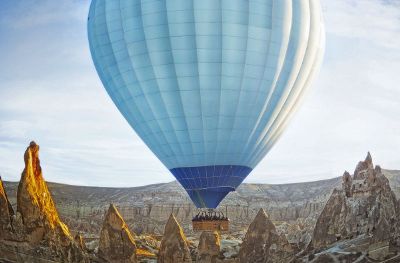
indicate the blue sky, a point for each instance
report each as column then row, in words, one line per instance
column 50, row 92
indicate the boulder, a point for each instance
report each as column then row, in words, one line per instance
column 174, row 245
column 116, row 244
column 262, row 243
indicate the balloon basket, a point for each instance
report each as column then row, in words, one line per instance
column 210, row 221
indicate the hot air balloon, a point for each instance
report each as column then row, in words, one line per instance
column 208, row 85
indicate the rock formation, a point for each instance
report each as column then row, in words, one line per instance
column 209, row 247
column 116, row 242
column 6, row 212
column 365, row 205
column 36, row 229
column 174, row 246
column 262, row 243
column 35, row 204
column 361, row 219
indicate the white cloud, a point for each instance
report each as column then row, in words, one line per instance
column 354, row 103
column 375, row 21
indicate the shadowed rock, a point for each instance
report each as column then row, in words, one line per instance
column 6, row 212
column 174, row 247
column 395, row 231
column 347, row 182
column 209, row 247
column 263, row 244
column 116, row 241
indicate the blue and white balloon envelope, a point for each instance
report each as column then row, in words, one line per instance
column 209, row 85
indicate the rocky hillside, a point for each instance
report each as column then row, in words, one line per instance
column 150, row 206
column 173, row 194
column 284, row 202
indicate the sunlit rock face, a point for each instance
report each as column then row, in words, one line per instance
column 365, row 205
column 34, row 202
column 80, row 242
column 6, row 212
column 37, row 233
column 263, row 244
column 174, row 245
column 116, row 244
column 209, row 247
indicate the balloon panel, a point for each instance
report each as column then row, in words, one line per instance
column 208, row 85
column 208, row 185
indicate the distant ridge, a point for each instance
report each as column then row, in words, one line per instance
column 272, row 192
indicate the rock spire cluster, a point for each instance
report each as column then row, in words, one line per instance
column 364, row 206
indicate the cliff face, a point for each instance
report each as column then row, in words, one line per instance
column 174, row 245
column 116, row 242
column 365, row 205
column 262, row 243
